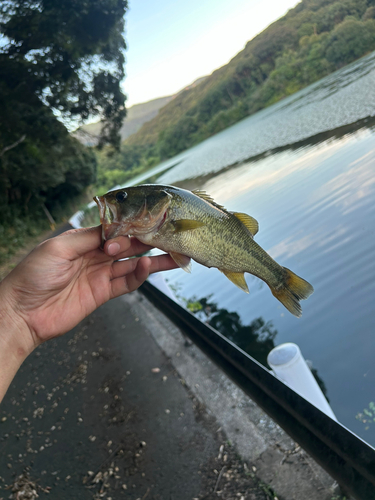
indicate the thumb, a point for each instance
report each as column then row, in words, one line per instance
column 77, row 242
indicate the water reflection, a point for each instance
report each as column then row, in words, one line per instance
column 304, row 168
column 256, row 338
column 316, row 214
column 347, row 190
column 328, row 137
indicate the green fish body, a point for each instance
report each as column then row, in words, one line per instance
column 189, row 224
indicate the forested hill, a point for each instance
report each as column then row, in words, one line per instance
column 136, row 116
column 310, row 41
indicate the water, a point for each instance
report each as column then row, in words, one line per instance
column 305, row 169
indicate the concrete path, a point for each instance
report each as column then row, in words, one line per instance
column 123, row 407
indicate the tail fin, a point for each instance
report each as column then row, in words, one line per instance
column 294, row 290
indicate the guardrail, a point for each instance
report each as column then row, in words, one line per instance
column 346, row 457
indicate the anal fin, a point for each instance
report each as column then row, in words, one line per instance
column 182, row 261
column 237, row 278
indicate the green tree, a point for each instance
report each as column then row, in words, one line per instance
column 57, row 59
column 69, row 54
column 60, row 62
column 350, row 40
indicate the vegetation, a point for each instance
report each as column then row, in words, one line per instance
column 57, row 60
column 312, row 40
column 136, row 116
column 63, row 61
column 367, row 416
column 119, row 168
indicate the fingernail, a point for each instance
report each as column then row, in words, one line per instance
column 113, row 248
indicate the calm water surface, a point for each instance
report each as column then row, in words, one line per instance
column 305, row 169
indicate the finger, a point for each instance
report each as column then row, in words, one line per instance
column 77, row 242
column 157, row 263
column 140, row 274
column 117, row 245
column 136, row 274
column 162, row 263
column 138, row 270
column 122, row 249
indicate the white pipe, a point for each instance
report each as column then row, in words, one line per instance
column 290, row 367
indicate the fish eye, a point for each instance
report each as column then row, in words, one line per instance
column 121, row 196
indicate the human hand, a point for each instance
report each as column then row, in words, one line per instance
column 63, row 280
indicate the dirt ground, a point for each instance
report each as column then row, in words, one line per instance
column 89, row 417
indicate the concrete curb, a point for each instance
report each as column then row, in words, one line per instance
column 276, row 459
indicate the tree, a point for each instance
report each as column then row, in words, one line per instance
column 68, row 54
column 59, row 60
column 350, row 40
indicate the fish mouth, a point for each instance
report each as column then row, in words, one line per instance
column 108, row 216
column 99, row 200
column 144, row 221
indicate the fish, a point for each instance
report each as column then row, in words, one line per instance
column 191, row 225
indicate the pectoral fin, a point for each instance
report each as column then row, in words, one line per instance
column 182, row 261
column 186, row 225
column 238, row 279
column 248, row 221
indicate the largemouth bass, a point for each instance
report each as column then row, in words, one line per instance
column 189, row 224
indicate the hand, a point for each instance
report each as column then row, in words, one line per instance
column 63, row 280
column 66, row 278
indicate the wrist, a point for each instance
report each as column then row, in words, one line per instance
column 15, row 339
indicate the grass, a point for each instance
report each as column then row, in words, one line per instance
column 20, row 233
column 16, row 243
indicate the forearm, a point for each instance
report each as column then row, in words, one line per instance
column 14, row 346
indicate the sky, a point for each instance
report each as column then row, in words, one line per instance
column 171, row 43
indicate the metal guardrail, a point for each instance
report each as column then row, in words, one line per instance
column 346, row 457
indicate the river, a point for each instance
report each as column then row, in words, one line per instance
column 305, row 169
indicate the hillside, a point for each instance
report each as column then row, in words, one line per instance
column 310, row 41
column 136, row 116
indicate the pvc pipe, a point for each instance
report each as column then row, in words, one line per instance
column 290, row 367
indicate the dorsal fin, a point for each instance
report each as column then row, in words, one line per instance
column 248, row 221
column 207, row 197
